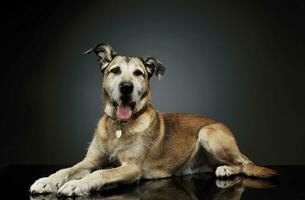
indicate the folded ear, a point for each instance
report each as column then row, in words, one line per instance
column 153, row 66
column 105, row 54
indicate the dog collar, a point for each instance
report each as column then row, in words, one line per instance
column 119, row 124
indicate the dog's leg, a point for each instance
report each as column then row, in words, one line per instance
column 53, row 182
column 127, row 172
column 218, row 140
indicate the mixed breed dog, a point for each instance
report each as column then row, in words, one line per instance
column 135, row 141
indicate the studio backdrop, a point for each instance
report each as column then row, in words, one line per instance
column 240, row 63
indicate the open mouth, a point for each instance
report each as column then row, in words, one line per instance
column 124, row 111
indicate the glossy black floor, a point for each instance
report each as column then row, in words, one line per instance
column 16, row 180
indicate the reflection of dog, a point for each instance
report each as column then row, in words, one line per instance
column 142, row 142
column 179, row 188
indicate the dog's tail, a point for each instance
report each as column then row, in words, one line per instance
column 258, row 171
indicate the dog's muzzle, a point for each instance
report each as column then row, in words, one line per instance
column 125, row 109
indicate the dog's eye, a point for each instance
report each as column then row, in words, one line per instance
column 115, row 70
column 138, row 73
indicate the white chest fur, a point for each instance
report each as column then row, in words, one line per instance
column 128, row 148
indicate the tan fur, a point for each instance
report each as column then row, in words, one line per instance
column 153, row 145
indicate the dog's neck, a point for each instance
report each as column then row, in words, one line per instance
column 137, row 124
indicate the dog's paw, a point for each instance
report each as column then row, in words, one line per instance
column 74, row 188
column 45, row 185
column 224, row 171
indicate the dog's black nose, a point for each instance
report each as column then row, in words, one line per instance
column 126, row 88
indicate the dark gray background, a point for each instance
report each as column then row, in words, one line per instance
column 241, row 63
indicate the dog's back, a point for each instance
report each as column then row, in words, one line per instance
column 187, row 124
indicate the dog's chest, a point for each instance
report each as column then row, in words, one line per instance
column 116, row 146
column 124, row 147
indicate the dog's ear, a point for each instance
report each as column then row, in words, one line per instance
column 153, row 66
column 105, row 54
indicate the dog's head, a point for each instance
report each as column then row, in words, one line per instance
column 125, row 81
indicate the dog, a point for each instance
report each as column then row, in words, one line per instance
column 134, row 141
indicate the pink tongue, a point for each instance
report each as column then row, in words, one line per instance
column 123, row 112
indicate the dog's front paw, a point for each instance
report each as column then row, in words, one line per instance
column 45, row 185
column 74, row 188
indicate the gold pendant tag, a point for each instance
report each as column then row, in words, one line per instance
column 118, row 133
